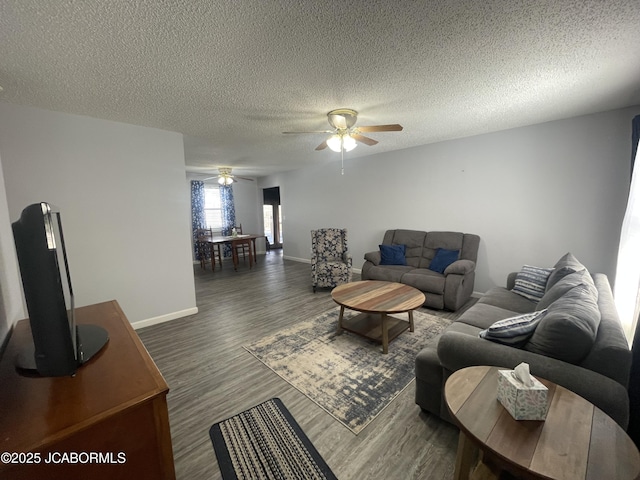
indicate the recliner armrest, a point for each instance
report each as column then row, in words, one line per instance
column 460, row 267
column 346, row 258
column 373, row 257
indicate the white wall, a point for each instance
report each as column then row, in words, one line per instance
column 531, row 193
column 124, row 208
column 11, row 301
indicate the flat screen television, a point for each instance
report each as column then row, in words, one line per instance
column 59, row 346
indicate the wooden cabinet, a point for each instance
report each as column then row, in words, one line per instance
column 109, row 421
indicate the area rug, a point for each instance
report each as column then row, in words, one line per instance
column 346, row 375
column 266, row 442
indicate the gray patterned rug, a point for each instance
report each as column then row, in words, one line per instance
column 346, row 375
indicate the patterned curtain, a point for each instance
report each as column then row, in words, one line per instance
column 228, row 214
column 197, row 211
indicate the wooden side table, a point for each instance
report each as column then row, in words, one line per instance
column 576, row 441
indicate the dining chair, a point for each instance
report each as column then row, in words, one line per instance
column 206, row 251
column 241, row 248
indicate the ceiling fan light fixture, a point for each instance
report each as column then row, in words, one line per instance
column 349, row 143
column 338, row 142
column 225, row 180
column 334, row 142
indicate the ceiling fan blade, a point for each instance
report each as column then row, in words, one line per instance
column 380, row 128
column 363, row 139
column 322, row 146
column 209, row 178
column 242, row 178
column 317, row 131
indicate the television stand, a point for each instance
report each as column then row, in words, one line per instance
column 91, row 338
column 109, row 421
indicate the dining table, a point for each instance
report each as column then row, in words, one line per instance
column 234, row 241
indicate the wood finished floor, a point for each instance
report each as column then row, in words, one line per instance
column 212, row 377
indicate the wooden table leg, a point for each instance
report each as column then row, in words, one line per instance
column 411, row 320
column 339, row 331
column 213, row 256
column 234, row 255
column 255, row 255
column 466, row 458
column 251, row 255
column 385, row 333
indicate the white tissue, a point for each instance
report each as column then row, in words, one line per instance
column 521, row 372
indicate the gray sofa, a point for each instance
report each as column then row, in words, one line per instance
column 589, row 357
column 448, row 290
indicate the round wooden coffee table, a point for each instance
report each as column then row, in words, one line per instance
column 576, row 441
column 377, row 300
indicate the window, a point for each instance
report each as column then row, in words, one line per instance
column 212, row 208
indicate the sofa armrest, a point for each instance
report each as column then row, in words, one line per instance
column 511, row 280
column 373, row 257
column 460, row 267
column 459, row 350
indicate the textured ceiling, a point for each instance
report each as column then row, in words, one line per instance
column 232, row 75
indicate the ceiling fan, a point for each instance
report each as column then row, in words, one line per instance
column 344, row 136
column 225, row 177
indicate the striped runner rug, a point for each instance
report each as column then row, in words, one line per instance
column 265, row 442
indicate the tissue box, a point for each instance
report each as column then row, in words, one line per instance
column 522, row 402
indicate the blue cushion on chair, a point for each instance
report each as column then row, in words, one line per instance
column 443, row 259
column 392, row 255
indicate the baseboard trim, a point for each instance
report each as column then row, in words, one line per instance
column 296, row 259
column 306, row 260
column 164, row 318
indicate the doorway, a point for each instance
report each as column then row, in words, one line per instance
column 272, row 214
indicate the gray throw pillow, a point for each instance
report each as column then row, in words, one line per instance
column 568, row 330
column 563, row 286
column 567, row 265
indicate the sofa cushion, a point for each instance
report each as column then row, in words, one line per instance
column 501, row 297
column 442, row 259
column 425, row 280
column 568, row 330
column 392, row 255
column 482, row 315
column 414, row 241
column 531, row 282
column 514, row 331
column 435, row 240
column 388, row 273
column 567, row 265
column 464, row 328
column 561, row 287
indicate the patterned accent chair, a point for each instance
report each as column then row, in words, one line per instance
column 330, row 260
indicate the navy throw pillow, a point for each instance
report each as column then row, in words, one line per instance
column 443, row 259
column 392, row 255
